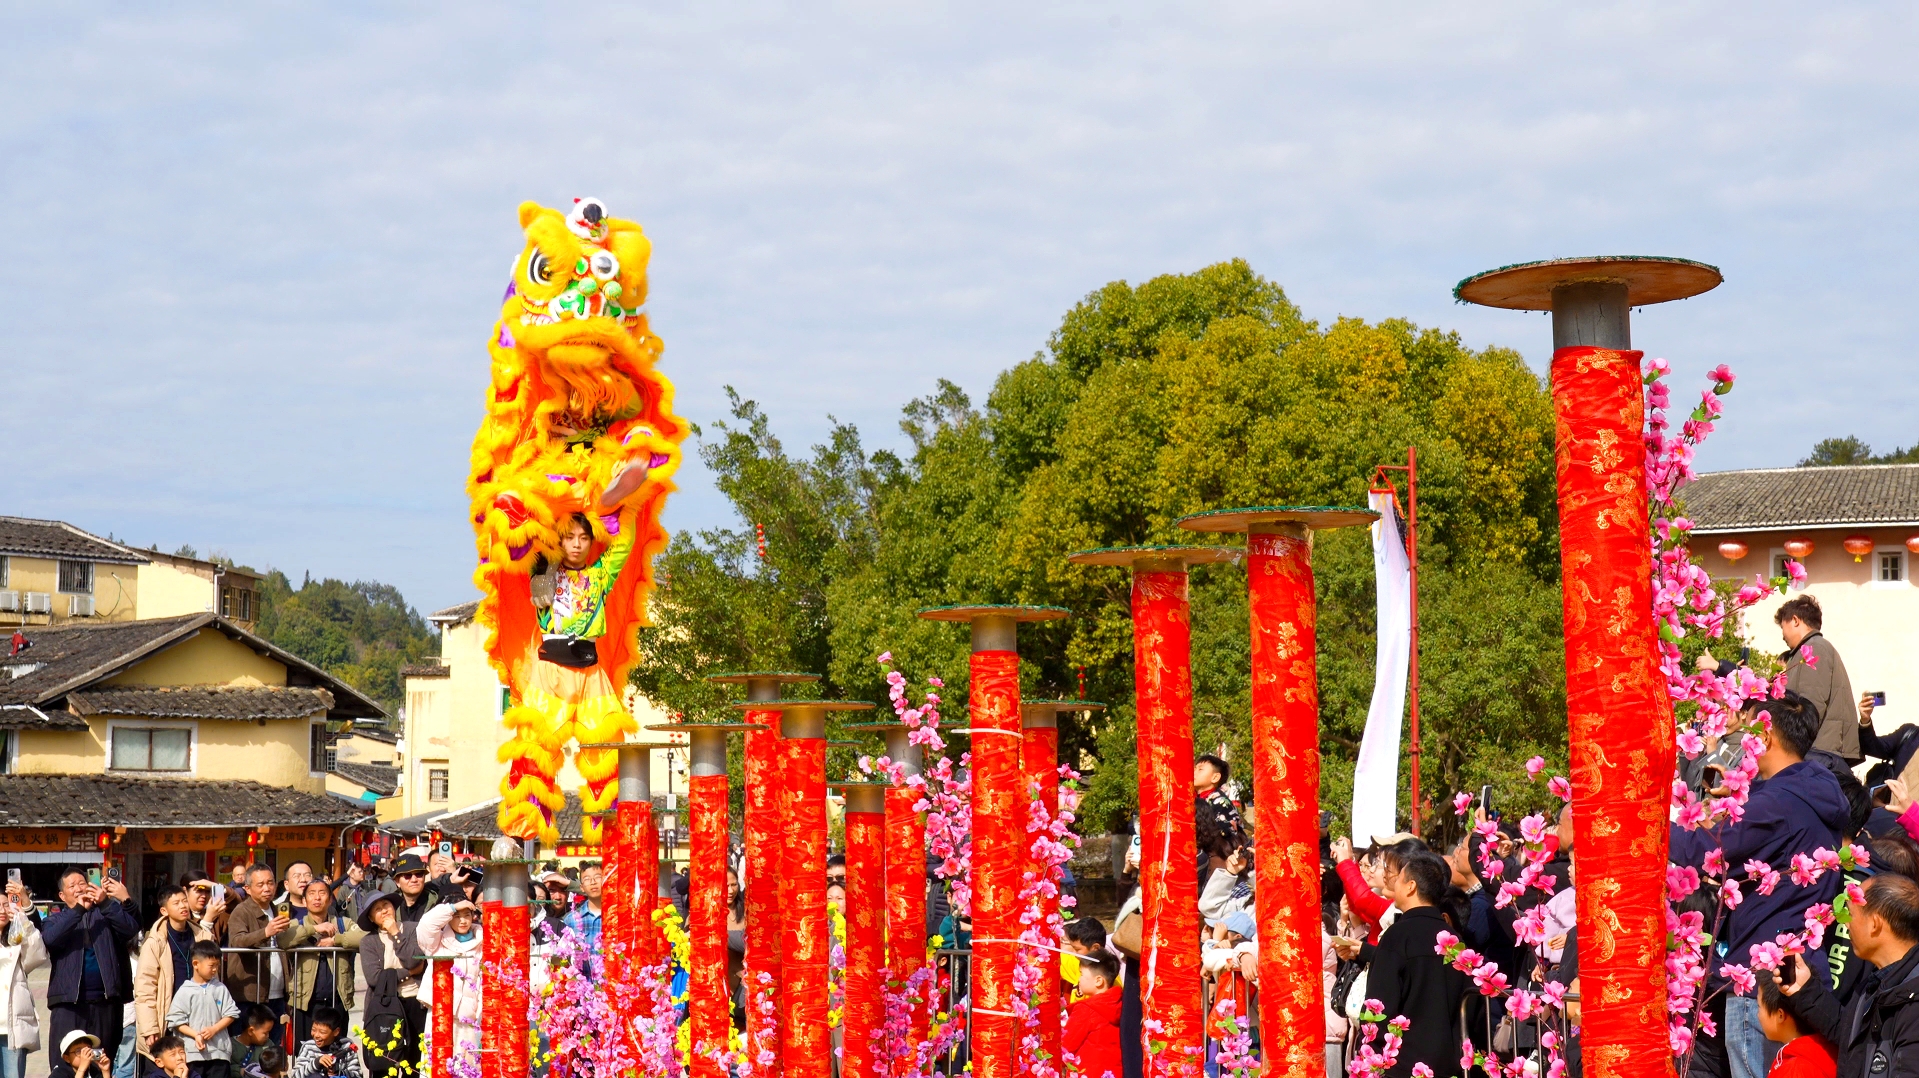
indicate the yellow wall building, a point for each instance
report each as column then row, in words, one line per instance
column 179, row 736
column 52, row 573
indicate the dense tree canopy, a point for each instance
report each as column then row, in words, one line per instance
column 1185, row 393
column 361, row 633
column 1853, row 450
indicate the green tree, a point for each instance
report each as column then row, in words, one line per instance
column 1149, row 403
column 1852, row 450
column 362, row 633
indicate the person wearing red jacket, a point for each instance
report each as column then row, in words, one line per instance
column 1805, row 1055
column 1092, row 1024
column 1369, row 904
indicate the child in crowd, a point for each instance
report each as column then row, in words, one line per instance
column 1092, row 1024
column 258, row 1024
column 201, row 1012
column 80, row 1057
column 1805, row 1055
column 327, row 1054
column 269, row 1062
column 170, row 1055
column 1084, row 936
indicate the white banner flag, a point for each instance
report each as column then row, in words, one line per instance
column 1376, row 778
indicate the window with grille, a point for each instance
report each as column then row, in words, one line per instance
column 436, row 784
column 157, row 748
column 1779, row 564
column 1892, row 565
column 246, row 605
column 76, row 577
column 226, row 602
column 3, row 571
column 319, row 749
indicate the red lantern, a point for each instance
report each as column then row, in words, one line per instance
column 1912, row 544
column 1799, row 548
column 253, row 839
column 104, row 840
column 1732, row 550
column 1858, row 546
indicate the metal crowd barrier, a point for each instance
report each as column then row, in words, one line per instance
column 293, row 1027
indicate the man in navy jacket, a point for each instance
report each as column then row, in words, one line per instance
column 91, row 980
column 1796, row 807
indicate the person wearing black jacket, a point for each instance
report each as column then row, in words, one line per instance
column 91, row 982
column 1408, row 975
column 391, row 963
column 1878, row 1032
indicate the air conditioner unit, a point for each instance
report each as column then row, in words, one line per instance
column 9, row 602
column 39, row 602
column 80, row 606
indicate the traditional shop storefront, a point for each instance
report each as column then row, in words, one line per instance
column 153, row 830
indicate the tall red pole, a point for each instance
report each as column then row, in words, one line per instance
column 905, row 877
column 865, row 928
column 805, row 1050
column 765, row 838
column 1620, row 714
column 708, row 1003
column 1170, row 983
column 443, row 1014
column 1040, row 758
column 998, row 850
column 1284, row 614
column 505, row 944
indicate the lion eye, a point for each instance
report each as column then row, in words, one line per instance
column 605, row 266
column 538, row 269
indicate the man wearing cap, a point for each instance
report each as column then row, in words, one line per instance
column 558, row 905
column 414, row 897
column 91, row 981
column 81, row 1056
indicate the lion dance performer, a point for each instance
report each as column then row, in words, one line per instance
column 571, row 468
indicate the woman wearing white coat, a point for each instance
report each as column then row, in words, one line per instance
column 454, row 928
column 21, row 952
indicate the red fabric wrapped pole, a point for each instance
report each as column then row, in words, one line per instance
column 998, row 854
column 1040, row 757
column 906, row 898
column 708, row 1005
column 865, row 941
column 764, row 839
column 805, row 1048
column 515, row 1051
column 492, row 986
column 634, row 821
column 1169, row 946
column 443, row 1015
column 652, row 940
column 616, row 897
column 1621, row 714
column 1279, row 580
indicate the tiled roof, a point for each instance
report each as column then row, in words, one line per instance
column 430, row 668
column 53, row 539
column 374, row 733
column 382, row 780
column 204, row 702
column 456, row 614
column 1858, row 494
column 483, row 821
column 110, row 801
column 69, row 658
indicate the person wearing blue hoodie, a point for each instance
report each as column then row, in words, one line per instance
column 1795, row 807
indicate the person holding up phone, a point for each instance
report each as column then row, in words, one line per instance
column 1877, row 1033
column 256, row 923
column 87, row 943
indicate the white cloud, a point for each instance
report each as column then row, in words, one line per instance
column 256, row 251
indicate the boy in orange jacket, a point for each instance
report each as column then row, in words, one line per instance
column 1092, row 1024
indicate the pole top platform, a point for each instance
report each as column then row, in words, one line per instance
column 1013, row 611
column 1044, row 714
column 1315, row 517
column 800, row 705
column 882, row 726
column 1529, row 286
column 863, row 795
column 1133, row 557
column 741, row 677
column 631, row 744
column 726, row 726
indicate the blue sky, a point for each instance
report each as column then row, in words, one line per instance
column 256, row 249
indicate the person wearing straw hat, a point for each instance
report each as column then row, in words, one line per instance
column 391, row 962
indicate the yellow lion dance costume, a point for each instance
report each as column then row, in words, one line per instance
column 571, row 468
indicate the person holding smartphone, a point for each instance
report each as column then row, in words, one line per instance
column 87, row 943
